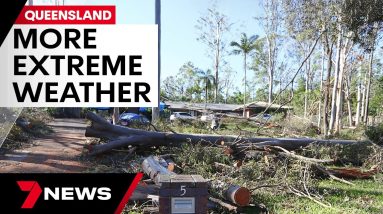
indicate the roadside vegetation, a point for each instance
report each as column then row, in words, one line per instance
column 30, row 124
column 278, row 183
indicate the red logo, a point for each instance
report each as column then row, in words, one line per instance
column 34, row 190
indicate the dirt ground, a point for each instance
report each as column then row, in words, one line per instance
column 56, row 153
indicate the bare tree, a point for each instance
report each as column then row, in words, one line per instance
column 227, row 82
column 271, row 23
column 321, row 87
column 213, row 26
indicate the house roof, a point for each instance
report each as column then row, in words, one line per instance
column 222, row 106
column 264, row 105
column 201, row 106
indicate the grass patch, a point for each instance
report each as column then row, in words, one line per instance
column 365, row 197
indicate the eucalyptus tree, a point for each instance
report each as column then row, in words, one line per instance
column 213, row 28
column 272, row 23
column 344, row 24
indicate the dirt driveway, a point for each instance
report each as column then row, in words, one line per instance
column 58, row 152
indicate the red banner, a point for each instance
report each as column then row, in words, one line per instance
column 67, row 15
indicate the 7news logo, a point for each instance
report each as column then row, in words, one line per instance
column 61, row 193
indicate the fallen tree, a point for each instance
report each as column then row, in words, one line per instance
column 120, row 136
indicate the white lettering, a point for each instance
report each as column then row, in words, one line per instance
column 85, row 192
column 48, row 192
column 72, row 193
column 104, row 193
column 67, row 193
column 29, row 15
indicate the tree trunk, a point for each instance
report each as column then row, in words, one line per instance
column 336, row 82
column 348, row 97
column 270, row 68
column 206, row 91
column 340, row 93
column 116, row 115
column 217, row 55
column 244, row 95
column 328, row 87
column 359, row 98
column 306, row 88
column 227, row 93
column 368, row 88
column 321, row 90
column 120, row 136
column 271, row 80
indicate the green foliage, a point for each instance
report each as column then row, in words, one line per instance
column 38, row 119
column 261, row 94
column 354, row 154
column 245, row 46
column 235, row 98
column 187, row 126
column 200, row 160
column 375, row 133
column 260, row 62
column 189, row 84
column 363, row 18
column 376, row 102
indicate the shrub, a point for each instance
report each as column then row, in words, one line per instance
column 375, row 133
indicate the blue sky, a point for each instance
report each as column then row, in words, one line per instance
column 179, row 35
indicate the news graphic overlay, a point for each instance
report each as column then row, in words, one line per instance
column 67, row 193
column 77, row 56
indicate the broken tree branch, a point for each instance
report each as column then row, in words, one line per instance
column 302, row 158
column 224, row 204
column 332, row 176
column 120, row 136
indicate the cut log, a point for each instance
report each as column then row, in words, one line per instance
column 233, row 193
column 120, row 136
column 152, row 168
column 238, row 195
column 171, row 164
column 168, row 164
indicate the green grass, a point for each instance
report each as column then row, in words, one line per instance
column 365, row 197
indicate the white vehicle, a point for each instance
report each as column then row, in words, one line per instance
column 182, row 116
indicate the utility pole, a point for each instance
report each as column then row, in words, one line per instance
column 156, row 110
